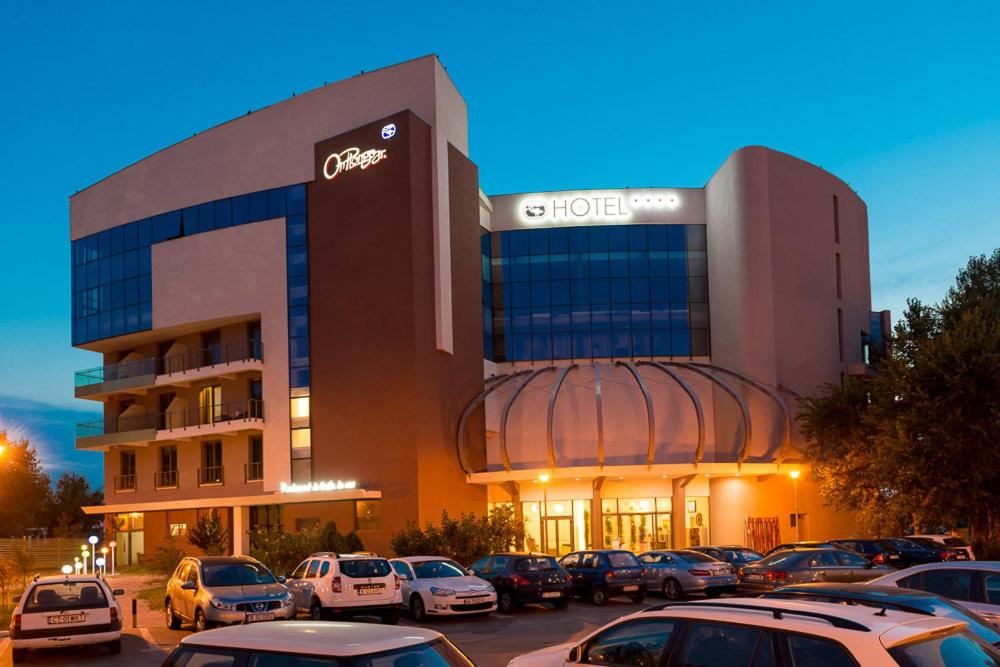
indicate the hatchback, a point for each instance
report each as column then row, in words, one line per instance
column 806, row 565
column 441, row 587
column 680, row 572
column 328, row 585
column 733, row 554
column 605, row 573
column 524, row 577
column 975, row 584
column 222, row 590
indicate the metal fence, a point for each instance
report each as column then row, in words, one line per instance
column 50, row 553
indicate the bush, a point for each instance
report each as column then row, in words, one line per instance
column 209, row 535
column 465, row 539
column 165, row 558
column 23, row 562
column 282, row 551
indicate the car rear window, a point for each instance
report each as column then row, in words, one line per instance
column 536, row 564
column 362, row 568
column 235, row 574
column 696, row 557
column 61, row 595
column 955, row 542
column 780, row 558
column 743, row 555
column 623, row 559
column 948, row 651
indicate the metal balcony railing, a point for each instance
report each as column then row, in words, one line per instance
column 213, row 413
column 210, row 475
column 125, row 482
column 253, row 472
column 210, row 356
column 165, row 479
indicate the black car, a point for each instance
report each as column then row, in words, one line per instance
column 910, row 553
column 524, row 577
column 600, row 574
column 792, row 546
column 734, row 554
column 874, row 551
column 943, row 550
column 890, row 597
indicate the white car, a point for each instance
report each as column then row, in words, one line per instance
column 974, row 584
column 328, row 585
column 315, row 643
column 949, row 541
column 440, row 587
column 740, row 632
column 66, row 611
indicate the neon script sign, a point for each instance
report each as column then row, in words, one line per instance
column 352, row 158
column 315, row 487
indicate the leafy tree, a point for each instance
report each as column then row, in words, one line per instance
column 72, row 493
column 209, row 535
column 282, row 551
column 917, row 445
column 465, row 539
column 24, row 489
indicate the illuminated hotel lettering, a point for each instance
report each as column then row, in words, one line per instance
column 593, row 206
column 351, row 158
column 315, row 487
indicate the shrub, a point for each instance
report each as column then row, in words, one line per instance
column 282, row 551
column 165, row 558
column 210, row 535
column 24, row 563
column 6, row 579
column 465, row 539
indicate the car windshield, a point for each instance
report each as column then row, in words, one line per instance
column 622, row 559
column 58, row 596
column 955, row 542
column 363, row 568
column 235, row 574
column 743, row 555
column 955, row 650
column 781, row 558
column 536, row 564
column 694, row 556
column 434, row 569
column 439, row 653
column 903, row 544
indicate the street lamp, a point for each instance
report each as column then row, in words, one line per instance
column 99, row 564
column 77, row 565
column 795, row 498
column 113, row 545
column 85, row 552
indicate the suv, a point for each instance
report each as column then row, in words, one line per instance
column 330, row 584
column 66, row 611
column 222, row 590
column 601, row 574
column 739, row 632
column 523, row 577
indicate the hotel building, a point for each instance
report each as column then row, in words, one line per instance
column 313, row 313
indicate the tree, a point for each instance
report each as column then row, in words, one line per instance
column 72, row 493
column 465, row 539
column 209, row 535
column 24, row 489
column 917, row 444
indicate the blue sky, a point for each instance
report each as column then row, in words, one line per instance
column 901, row 101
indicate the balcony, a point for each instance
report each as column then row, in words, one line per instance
column 253, row 472
column 124, row 483
column 143, row 429
column 137, row 376
column 165, row 479
column 211, row 476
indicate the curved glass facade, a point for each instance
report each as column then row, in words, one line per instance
column 595, row 292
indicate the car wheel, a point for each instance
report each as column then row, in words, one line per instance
column 561, row 604
column 316, row 610
column 638, row 598
column 200, row 623
column 19, row 655
column 672, row 589
column 599, row 597
column 505, row 602
column 173, row 621
column 417, row 610
column 391, row 617
column 115, row 647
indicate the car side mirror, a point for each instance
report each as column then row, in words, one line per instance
column 575, row 654
column 16, row 599
column 118, row 591
column 189, row 586
column 282, row 580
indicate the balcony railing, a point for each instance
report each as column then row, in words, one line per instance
column 125, row 482
column 213, row 355
column 165, row 479
column 214, row 413
column 210, row 475
column 253, row 472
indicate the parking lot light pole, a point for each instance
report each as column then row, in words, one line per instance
column 795, row 501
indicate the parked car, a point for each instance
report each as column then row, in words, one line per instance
column 805, row 565
column 740, row 632
column 441, row 587
column 684, row 571
column 733, row 554
column 65, row 611
column 791, row 546
column 974, row 584
column 328, row 585
column 222, row 590
column 600, row 574
column 890, row 597
column 894, row 552
column 307, row 643
column 523, row 577
column 946, row 552
column 948, row 541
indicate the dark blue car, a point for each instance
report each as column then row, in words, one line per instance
column 600, row 574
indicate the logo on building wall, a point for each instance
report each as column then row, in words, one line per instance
column 534, row 209
column 389, row 131
column 352, row 158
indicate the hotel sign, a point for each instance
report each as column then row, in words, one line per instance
column 317, row 487
column 595, row 206
column 352, row 158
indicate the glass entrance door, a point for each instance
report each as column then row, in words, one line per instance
column 558, row 536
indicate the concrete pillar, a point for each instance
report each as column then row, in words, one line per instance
column 597, row 516
column 678, row 511
column 241, row 532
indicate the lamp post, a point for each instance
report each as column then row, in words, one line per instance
column 795, row 500
column 99, row 565
column 77, row 565
column 85, row 552
column 113, row 546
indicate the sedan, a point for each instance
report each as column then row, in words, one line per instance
column 680, row 572
column 974, row 584
column 734, row 554
column 441, row 587
column 796, row 567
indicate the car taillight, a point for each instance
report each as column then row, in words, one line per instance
column 739, row 572
column 335, row 585
column 114, row 614
column 700, row 573
column 16, row 623
column 519, row 580
column 396, row 577
column 610, row 574
column 776, row 575
column 879, row 558
column 568, row 577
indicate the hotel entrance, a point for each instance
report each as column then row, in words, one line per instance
column 557, row 539
column 557, row 527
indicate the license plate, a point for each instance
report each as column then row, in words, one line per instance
column 374, row 589
column 253, row 618
column 474, row 600
column 755, row 577
column 67, row 618
column 893, row 557
column 630, row 588
column 554, row 594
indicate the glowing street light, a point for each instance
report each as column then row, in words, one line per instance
column 67, row 570
column 85, row 553
column 112, row 544
column 99, row 564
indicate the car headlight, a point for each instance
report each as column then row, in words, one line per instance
column 287, row 601
column 441, row 592
column 490, row 589
column 225, row 606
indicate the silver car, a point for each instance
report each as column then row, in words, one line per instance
column 211, row 591
column 807, row 565
column 680, row 572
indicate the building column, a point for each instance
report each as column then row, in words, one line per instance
column 241, row 533
column 678, row 512
column 597, row 516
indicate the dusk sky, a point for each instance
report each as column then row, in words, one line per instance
column 901, row 101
